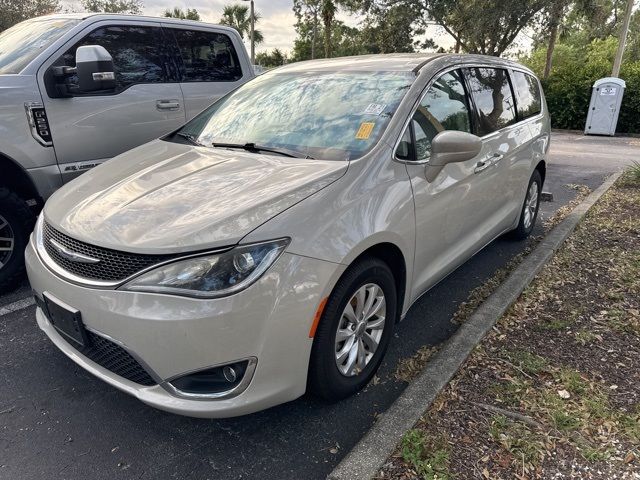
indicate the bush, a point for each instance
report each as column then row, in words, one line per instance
column 568, row 88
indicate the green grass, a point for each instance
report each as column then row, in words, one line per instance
column 516, row 438
column 429, row 457
column 528, row 362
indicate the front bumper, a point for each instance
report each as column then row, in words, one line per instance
column 171, row 335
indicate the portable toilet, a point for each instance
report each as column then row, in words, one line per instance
column 604, row 108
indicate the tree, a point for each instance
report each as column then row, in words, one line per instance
column 328, row 12
column 238, row 17
column 15, row 11
column 188, row 14
column 275, row 58
column 488, row 27
column 308, row 11
column 133, row 7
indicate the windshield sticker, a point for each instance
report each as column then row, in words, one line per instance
column 374, row 109
column 364, row 132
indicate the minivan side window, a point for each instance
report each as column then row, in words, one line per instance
column 529, row 102
column 136, row 52
column 207, row 56
column 492, row 95
column 445, row 106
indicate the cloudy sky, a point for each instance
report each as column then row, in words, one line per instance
column 276, row 24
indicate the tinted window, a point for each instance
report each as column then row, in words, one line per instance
column 136, row 52
column 528, row 101
column 444, row 107
column 492, row 95
column 207, row 56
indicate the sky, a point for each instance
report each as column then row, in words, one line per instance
column 276, row 24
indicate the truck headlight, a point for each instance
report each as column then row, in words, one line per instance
column 213, row 275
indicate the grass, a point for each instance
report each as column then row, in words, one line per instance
column 634, row 171
column 523, row 445
column 429, row 457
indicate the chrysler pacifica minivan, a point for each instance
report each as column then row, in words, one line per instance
column 269, row 246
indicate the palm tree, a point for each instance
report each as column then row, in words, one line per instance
column 177, row 12
column 237, row 16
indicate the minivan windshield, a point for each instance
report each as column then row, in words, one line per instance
column 21, row 43
column 323, row 115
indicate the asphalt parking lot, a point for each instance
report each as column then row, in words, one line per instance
column 57, row 421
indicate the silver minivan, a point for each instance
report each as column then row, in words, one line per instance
column 78, row 89
column 269, row 246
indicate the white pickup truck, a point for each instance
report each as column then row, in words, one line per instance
column 79, row 89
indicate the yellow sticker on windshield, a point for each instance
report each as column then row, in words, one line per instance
column 364, row 132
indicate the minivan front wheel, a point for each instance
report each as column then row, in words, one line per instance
column 354, row 331
column 16, row 223
column 530, row 207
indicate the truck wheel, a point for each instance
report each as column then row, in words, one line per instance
column 16, row 223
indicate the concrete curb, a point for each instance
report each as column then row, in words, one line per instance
column 368, row 455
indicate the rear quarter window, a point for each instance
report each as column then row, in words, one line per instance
column 528, row 98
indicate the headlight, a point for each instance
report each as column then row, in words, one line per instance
column 211, row 276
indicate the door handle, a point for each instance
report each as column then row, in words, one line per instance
column 495, row 159
column 482, row 165
column 167, row 104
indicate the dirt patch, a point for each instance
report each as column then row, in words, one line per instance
column 554, row 390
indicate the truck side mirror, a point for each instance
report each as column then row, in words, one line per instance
column 94, row 67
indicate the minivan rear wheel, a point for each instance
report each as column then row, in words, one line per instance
column 354, row 331
column 530, row 207
column 16, row 223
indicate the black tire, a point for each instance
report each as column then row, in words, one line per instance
column 325, row 380
column 522, row 231
column 21, row 221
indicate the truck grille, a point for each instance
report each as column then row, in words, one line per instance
column 113, row 266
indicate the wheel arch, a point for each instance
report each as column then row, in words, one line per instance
column 542, row 168
column 16, row 179
column 392, row 255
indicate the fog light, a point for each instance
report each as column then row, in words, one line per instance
column 229, row 374
column 212, row 380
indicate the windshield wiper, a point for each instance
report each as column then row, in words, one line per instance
column 190, row 138
column 252, row 147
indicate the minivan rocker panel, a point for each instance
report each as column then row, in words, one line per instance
column 206, row 198
column 302, row 214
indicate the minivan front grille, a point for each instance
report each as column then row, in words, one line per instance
column 113, row 265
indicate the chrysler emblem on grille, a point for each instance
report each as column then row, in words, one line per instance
column 71, row 255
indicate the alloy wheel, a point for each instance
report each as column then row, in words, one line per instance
column 7, row 241
column 360, row 329
column 531, row 205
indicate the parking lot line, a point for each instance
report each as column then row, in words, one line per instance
column 17, row 305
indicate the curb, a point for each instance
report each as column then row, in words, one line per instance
column 367, row 457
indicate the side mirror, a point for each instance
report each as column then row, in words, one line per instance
column 451, row 146
column 94, row 67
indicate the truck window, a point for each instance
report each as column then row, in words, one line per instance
column 137, row 55
column 207, row 56
column 491, row 92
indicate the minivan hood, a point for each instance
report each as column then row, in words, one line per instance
column 165, row 197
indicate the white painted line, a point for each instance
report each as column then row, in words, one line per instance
column 17, row 305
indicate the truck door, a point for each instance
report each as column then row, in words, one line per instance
column 147, row 102
column 209, row 64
